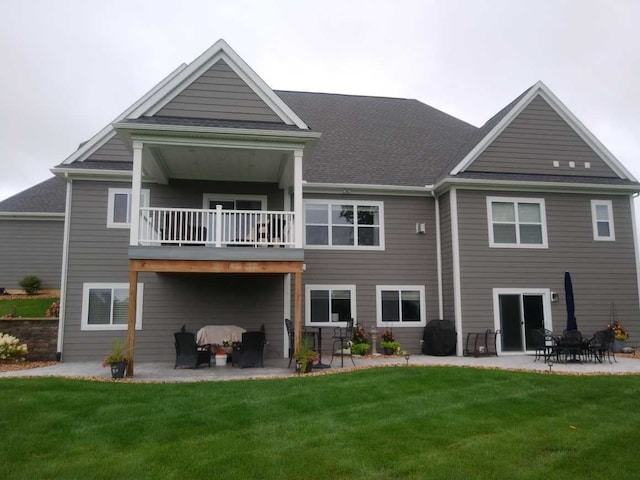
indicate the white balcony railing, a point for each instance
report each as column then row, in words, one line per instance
column 217, row 228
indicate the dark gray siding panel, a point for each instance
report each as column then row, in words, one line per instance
column 100, row 254
column 531, row 143
column 447, row 258
column 31, row 247
column 408, row 259
column 219, row 93
column 113, row 150
column 603, row 272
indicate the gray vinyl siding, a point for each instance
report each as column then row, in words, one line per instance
column 531, row 143
column 219, row 93
column 31, row 247
column 100, row 254
column 448, row 298
column 602, row 272
column 408, row 259
column 113, row 150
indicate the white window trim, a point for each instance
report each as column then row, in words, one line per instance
column 85, row 307
column 400, row 323
column 206, row 197
column 144, row 202
column 515, row 200
column 307, row 304
column 594, row 220
column 378, row 204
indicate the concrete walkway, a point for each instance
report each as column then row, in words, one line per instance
column 275, row 368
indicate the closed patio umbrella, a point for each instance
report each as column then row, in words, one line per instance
column 572, row 323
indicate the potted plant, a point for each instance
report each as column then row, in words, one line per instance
column 389, row 345
column 360, row 343
column 619, row 336
column 117, row 359
column 305, row 356
column 221, row 357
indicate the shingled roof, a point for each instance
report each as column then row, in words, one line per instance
column 377, row 140
column 45, row 197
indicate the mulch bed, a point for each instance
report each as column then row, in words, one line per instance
column 11, row 367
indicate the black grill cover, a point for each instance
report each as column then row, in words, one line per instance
column 439, row 338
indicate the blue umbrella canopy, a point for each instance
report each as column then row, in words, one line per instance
column 572, row 323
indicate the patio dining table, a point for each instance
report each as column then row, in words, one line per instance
column 217, row 334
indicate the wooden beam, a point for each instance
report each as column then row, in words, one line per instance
column 131, row 326
column 298, row 311
column 215, row 266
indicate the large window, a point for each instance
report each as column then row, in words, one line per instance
column 105, row 306
column 328, row 305
column 602, row 218
column 400, row 305
column 119, row 206
column 517, row 222
column 344, row 224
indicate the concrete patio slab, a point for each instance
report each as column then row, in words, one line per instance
column 276, row 368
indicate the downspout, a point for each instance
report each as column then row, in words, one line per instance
column 438, row 255
column 64, row 269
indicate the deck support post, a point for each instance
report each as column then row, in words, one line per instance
column 131, row 326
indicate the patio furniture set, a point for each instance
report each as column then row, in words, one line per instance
column 572, row 346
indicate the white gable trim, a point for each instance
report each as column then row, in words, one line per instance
column 219, row 51
column 107, row 133
column 542, row 90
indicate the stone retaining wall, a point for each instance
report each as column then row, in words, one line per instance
column 40, row 335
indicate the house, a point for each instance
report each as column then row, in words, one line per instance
column 217, row 200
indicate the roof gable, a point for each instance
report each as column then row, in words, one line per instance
column 219, row 60
column 535, row 132
column 219, row 93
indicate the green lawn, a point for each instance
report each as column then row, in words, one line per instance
column 26, row 308
column 403, row 422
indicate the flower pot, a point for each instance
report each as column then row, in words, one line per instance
column 118, row 369
column 618, row 345
column 221, row 360
column 309, row 367
column 388, row 351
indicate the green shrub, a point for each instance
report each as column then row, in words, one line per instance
column 30, row 284
column 11, row 350
column 359, row 348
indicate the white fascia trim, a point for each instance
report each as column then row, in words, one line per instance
column 219, row 51
column 244, row 143
column 31, row 216
column 533, row 185
column 91, row 174
column 366, row 189
column 541, row 89
column 240, row 132
column 497, row 130
column 107, row 133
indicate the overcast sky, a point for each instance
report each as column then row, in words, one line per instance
column 70, row 67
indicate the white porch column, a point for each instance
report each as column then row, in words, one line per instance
column 136, row 187
column 297, row 196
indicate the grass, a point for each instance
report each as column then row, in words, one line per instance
column 26, row 308
column 405, row 422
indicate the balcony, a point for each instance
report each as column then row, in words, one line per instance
column 179, row 227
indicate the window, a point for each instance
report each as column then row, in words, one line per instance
column 602, row 218
column 105, row 306
column 344, row 224
column 400, row 306
column 119, row 206
column 328, row 305
column 517, row 222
